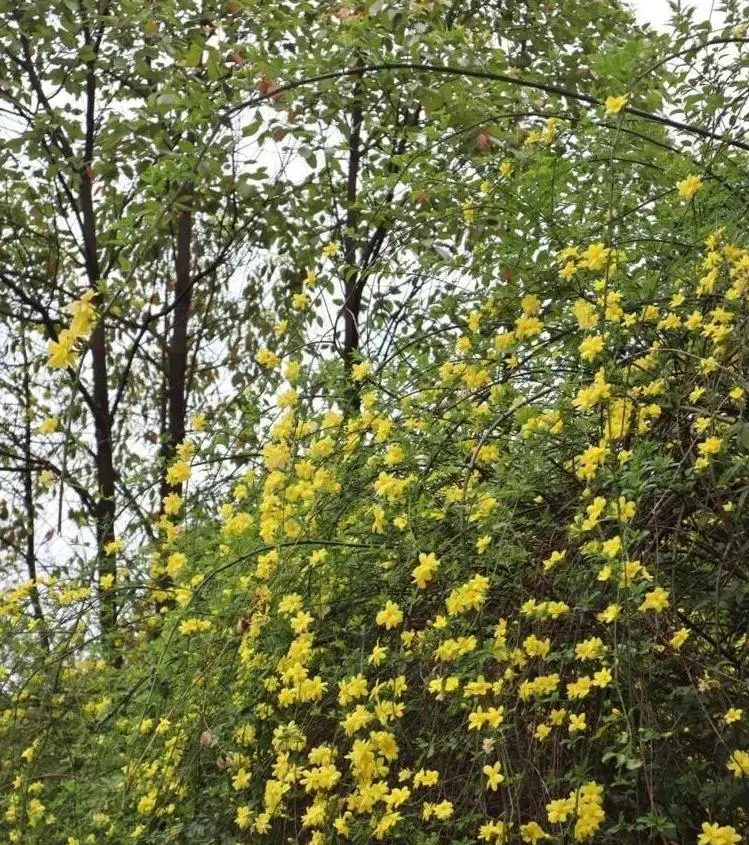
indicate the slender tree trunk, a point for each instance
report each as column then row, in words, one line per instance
column 28, row 501
column 354, row 279
column 175, row 376
column 105, row 508
column 178, row 346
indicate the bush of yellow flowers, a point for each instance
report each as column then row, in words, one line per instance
column 500, row 604
column 489, row 585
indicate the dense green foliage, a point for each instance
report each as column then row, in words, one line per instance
column 380, row 373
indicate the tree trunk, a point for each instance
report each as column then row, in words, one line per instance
column 353, row 278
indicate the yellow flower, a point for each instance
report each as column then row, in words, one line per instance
column 602, row 678
column 527, row 326
column 590, row 649
column 568, row 271
column 591, row 347
column 390, row 616
column 542, row 731
column 113, row 547
column 710, row 446
column 577, row 723
column 656, row 600
column 555, row 558
column 360, row 371
column 46, row 478
column 424, row 572
column 595, row 256
column 714, row 834
column 611, row 547
column 61, row 351
column 688, row 187
column 49, row 426
column 559, row 810
column 610, row 614
column 300, row 302
column 175, row 564
column 733, row 715
column 241, row 779
column 243, row 818
column 615, row 104
column 534, row 647
column 679, row 638
column 532, row 832
column 147, row 803
column 171, row 503
column 194, row 626
column 494, row 775
column 585, row 314
column 530, row 304
column 377, row 655
column 441, row 811
column 494, row 832
column 426, row 777
column 463, row 344
column 579, row 688
column 738, row 764
column 266, row 358
column 378, row 524
column 178, row 473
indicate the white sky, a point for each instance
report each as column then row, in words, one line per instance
column 657, row 12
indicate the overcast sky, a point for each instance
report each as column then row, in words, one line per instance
column 657, row 12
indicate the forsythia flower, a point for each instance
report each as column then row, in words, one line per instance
column 595, row 256
column 591, row 347
column 390, row 616
column 610, row 614
column 656, row 600
column 360, row 371
column 615, row 104
column 714, row 834
column 178, row 473
column 424, row 572
column 738, row 764
column 494, row 775
column 577, row 723
column 532, row 832
column 426, row 777
column 195, row 626
column 469, row 596
column 733, row 715
column 266, row 358
column 49, row 426
column 243, row 818
column 527, row 327
column 62, row 351
column 679, row 638
column 171, row 503
column 688, row 187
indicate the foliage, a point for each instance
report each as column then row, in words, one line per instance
column 470, row 566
